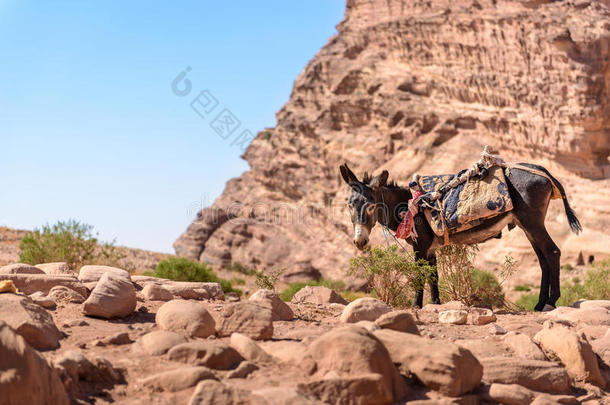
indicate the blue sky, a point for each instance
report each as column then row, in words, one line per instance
column 90, row 128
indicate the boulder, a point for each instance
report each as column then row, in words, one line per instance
column 113, row 297
column 447, row 367
column 279, row 309
column 186, row 317
column 214, row 354
column 280, row 396
column 55, row 268
column 317, row 295
column 451, row 305
column 156, row 292
column 25, row 376
column 30, row 321
column 364, row 309
column 590, row 316
column 523, row 346
column 41, row 299
column 253, row 319
column 354, row 354
column 288, row 351
column 481, row 316
column 244, row 369
column 62, row 293
column 573, row 350
column 508, row 394
column 190, row 290
column 75, row 367
column 20, row 268
column 210, row 392
column 178, row 379
column 30, row 283
column 453, row 316
column 368, row 325
column 158, row 342
column 533, row 374
column 93, row 273
column 249, row 349
column 364, row 389
column 401, row 321
column 601, row 347
column 587, row 304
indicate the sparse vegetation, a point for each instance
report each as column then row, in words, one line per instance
column 241, row 268
column 268, row 280
column 394, row 277
column 237, row 281
column 596, row 286
column 567, row 267
column 523, row 287
column 181, row 269
column 70, row 242
column 461, row 281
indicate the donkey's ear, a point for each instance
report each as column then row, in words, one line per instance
column 380, row 180
column 347, row 174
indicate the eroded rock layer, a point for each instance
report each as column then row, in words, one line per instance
column 422, row 86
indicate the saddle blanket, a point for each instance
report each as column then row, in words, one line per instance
column 468, row 204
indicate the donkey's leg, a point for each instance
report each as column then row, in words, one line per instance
column 544, row 279
column 433, row 281
column 552, row 255
column 419, row 294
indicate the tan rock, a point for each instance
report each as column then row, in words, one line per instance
column 159, row 342
column 364, row 309
column 20, row 268
column 333, row 352
column 588, row 304
column 209, row 392
column 191, row 290
column 280, row 310
column 25, row 376
column 280, row 396
column 523, row 346
column 62, row 293
column 481, row 316
column 533, row 374
column 39, row 298
column 113, row 297
column 178, row 379
column 55, row 268
column 214, row 354
column 244, row 369
column 601, row 347
column 453, row 316
column 186, row 317
column 589, row 316
column 30, row 283
column 509, row 394
column 317, row 295
column 30, row 321
column 448, row 306
column 573, row 350
column 156, row 292
column 364, row 389
column 93, row 273
column 368, row 325
column 447, row 368
column 253, row 319
column 401, row 321
column 249, row 349
column 289, row 351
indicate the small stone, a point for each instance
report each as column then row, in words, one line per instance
column 210, row 353
column 156, row 292
column 453, row 316
column 178, row 379
column 249, row 349
column 317, row 295
column 280, row 310
column 401, row 321
column 495, row 329
column 482, row 316
column 253, row 319
column 159, row 342
column 61, row 293
column 41, row 299
column 113, row 297
column 364, row 309
column 244, row 369
column 186, row 317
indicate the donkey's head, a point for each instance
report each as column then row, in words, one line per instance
column 362, row 203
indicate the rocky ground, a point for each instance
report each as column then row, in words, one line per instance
column 109, row 337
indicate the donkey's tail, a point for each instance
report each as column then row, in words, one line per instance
column 572, row 220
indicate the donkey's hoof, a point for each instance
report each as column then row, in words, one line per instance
column 547, row 308
column 415, row 306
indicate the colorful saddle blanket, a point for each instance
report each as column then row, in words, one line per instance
column 466, row 205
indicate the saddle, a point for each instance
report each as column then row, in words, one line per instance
column 467, row 204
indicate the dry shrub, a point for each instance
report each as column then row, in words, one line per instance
column 268, row 280
column 461, row 281
column 393, row 276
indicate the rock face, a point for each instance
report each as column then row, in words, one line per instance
column 25, row 376
column 30, row 321
column 420, row 87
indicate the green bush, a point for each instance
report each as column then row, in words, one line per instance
column 523, row 287
column 241, row 268
column 596, row 286
column 181, row 269
column 394, row 277
column 70, row 242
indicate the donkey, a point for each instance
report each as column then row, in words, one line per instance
column 374, row 199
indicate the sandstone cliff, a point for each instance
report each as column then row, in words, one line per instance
column 421, row 86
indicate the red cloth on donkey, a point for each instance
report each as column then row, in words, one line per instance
column 407, row 226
